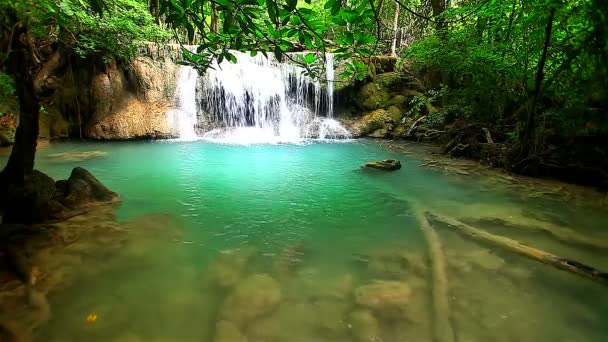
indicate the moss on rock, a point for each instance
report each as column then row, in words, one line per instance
column 254, row 297
column 372, row 122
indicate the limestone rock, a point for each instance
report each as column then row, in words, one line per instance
column 399, row 101
column 395, row 263
column 254, row 297
column 228, row 332
column 134, row 119
column 395, row 113
column 83, row 189
column 155, row 81
column 372, row 96
column 77, row 156
column 383, row 295
column 386, row 165
column 227, row 269
column 364, row 325
column 372, row 121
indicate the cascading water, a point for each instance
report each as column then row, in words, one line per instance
column 258, row 100
column 185, row 114
column 329, row 74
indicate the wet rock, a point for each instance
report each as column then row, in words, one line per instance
column 395, row 113
column 383, row 296
column 371, row 122
column 254, row 297
column 227, row 269
column 77, row 156
column 292, row 321
column 134, row 120
column 83, row 189
column 330, row 318
column 399, row 101
column 289, row 258
column 395, row 263
column 228, row 332
column 364, row 325
column 386, row 165
column 373, row 96
column 31, row 202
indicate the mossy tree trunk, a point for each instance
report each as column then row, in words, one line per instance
column 21, row 63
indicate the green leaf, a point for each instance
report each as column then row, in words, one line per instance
column 329, row 4
column 292, row 4
column 278, row 53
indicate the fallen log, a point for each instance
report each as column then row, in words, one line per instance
column 527, row 251
column 442, row 327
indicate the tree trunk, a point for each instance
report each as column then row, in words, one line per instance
column 438, row 7
column 21, row 160
column 21, row 64
column 214, row 18
column 395, row 28
column 529, row 134
column 154, row 10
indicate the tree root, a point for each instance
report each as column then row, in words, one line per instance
column 442, row 326
column 527, row 251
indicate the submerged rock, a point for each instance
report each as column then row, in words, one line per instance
column 77, row 156
column 227, row 269
column 396, row 263
column 228, row 332
column 383, row 295
column 364, row 325
column 254, row 297
column 386, row 165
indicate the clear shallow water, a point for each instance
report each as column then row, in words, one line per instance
column 322, row 229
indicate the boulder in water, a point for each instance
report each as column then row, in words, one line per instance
column 364, row 325
column 228, row 332
column 383, row 296
column 227, row 269
column 254, row 297
column 386, row 165
column 83, row 189
column 76, row 156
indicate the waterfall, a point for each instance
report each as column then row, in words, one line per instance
column 258, row 100
column 185, row 113
column 329, row 75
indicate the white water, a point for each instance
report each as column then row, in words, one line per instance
column 185, row 114
column 329, row 75
column 258, row 100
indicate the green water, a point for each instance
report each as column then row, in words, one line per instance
column 322, row 228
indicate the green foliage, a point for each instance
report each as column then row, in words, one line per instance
column 278, row 26
column 490, row 56
column 422, row 104
column 7, row 86
column 76, row 25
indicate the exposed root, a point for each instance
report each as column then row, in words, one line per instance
column 527, row 251
column 442, row 326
